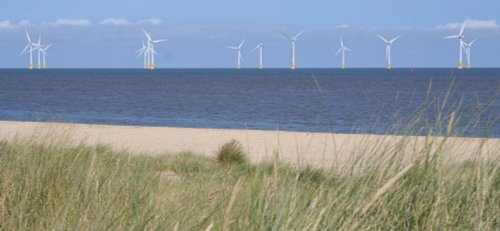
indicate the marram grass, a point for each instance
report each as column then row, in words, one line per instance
column 47, row 186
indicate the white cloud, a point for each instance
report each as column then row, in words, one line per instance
column 7, row 24
column 471, row 24
column 342, row 26
column 115, row 22
column 69, row 22
column 24, row 23
column 152, row 21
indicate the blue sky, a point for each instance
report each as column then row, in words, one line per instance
column 106, row 33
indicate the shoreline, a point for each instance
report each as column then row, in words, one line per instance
column 295, row 148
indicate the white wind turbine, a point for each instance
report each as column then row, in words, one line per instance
column 38, row 47
column 152, row 52
column 44, row 53
column 31, row 47
column 467, row 47
column 388, row 50
column 460, row 37
column 145, row 50
column 342, row 49
column 260, row 46
column 293, row 40
column 238, row 49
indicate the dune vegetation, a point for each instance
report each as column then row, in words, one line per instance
column 52, row 186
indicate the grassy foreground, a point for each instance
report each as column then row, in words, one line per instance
column 50, row 186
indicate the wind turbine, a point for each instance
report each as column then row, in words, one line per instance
column 31, row 47
column 145, row 52
column 460, row 37
column 467, row 47
column 38, row 47
column 151, row 46
column 238, row 49
column 260, row 46
column 44, row 53
column 293, row 40
column 388, row 50
column 342, row 49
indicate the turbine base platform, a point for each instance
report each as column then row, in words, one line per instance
column 293, row 66
column 343, row 66
column 460, row 66
column 389, row 66
column 260, row 66
column 30, row 67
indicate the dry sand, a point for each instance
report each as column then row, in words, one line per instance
column 296, row 148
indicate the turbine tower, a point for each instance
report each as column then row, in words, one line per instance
column 460, row 37
column 238, row 49
column 38, row 47
column 293, row 40
column 342, row 49
column 467, row 47
column 31, row 47
column 151, row 46
column 260, row 46
column 388, row 50
column 44, row 53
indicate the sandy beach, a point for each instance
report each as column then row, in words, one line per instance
column 296, row 148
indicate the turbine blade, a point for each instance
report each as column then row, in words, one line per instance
column 473, row 41
column 25, row 49
column 452, row 37
column 28, row 36
column 233, row 48
column 394, row 39
column 463, row 28
column 47, row 47
column 383, row 39
column 159, row 40
column 298, row 35
column 147, row 35
column 257, row 47
column 241, row 44
column 39, row 40
column 285, row 35
column 338, row 52
column 347, row 49
column 341, row 42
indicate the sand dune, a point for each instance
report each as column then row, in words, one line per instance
column 318, row 149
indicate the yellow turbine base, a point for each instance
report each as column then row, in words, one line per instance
column 38, row 66
column 460, row 66
column 145, row 67
column 293, row 66
column 389, row 66
column 152, row 67
column 260, row 67
column 343, row 66
column 238, row 67
column 30, row 66
column 468, row 66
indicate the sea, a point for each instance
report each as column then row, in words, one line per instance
column 378, row 101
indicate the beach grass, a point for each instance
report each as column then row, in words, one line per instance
column 48, row 185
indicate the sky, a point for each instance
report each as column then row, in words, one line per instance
column 107, row 33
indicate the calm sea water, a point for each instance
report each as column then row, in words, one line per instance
column 344, row 101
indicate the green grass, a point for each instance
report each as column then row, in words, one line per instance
column 51, row 186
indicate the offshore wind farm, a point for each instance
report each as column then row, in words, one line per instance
column 149, row 53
